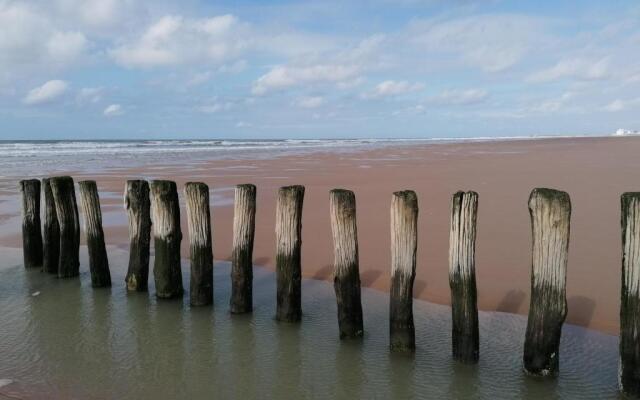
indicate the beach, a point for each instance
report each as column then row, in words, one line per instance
column 594, row 171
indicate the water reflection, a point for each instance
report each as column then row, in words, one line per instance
column 73, row 341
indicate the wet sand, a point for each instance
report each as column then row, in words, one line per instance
column 595, row 171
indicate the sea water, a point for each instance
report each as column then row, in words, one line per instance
column 62, row 339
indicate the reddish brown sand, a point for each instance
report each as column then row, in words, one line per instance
column 595, row 171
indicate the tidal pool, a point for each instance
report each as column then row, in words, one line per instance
column 63, row 339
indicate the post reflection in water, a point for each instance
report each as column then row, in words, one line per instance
column 73, row 341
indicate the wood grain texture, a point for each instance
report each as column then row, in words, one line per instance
column 462, row 277
column 244, row 225
column 51, row 231
column 550, row 224
column 346, row 273
column 404, row 242
column 138, row 206
column 64, row 195
column 200, row 245
column 165, row 214
column 98, row 260
column 288, row 253
column 629, row 372
column 31, row 228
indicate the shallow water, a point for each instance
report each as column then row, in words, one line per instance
column 63, row 339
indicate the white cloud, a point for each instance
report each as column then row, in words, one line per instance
column 283, row 76
column 102, row 16
column 175, row 40
column 113, row 110
column 393, row 88
column 310, row 102
column 493, row 42
column 89, row 95
column 342, row 68
column 46, row 93
column 215, row 107
column 575, row 68
column 243, row 124
column 30, row 41
column 460, row 97
column 553, row 105
column 622, row 105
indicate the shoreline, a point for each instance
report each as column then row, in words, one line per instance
column 502, row 172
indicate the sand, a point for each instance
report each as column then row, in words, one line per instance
column 594, row 171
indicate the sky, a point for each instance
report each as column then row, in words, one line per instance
column 128, row 69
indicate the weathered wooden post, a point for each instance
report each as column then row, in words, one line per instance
column 31, row 229
column 138, row 206
column 288, row 253
column 165, row 211
column 346, row 273
column 51, row 230
column 244, row 224
column 550, row 219
column 201, row 249
column 462, row 277
column 404, row 242
column 629, row 371
column 98, row 260
column 64, row 195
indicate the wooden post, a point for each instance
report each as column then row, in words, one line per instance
column 288, row 254
column 201, row 249
column 31, row 229
column 629, row 371
column 244, row 224
column 64, row 195
column 462, row 277
column 137, row 204
column 346, row 281
column 404, row 242
column 98, row 260
column 550, row 218
column 165, row 211
column 51, row 230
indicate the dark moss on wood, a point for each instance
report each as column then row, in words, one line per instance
column 288, row 253
column 462, row 278
column 64, row 196
column 165, row 210
column 244, row 221
column 51, row 231
column 137, row 204
column 404, row 240
column 346, row 281
column 629, row 347
column 31, row 228
column 98, row 260
column 200, row 246
column 550, row 212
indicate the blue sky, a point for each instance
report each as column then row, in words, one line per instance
column 112, row 69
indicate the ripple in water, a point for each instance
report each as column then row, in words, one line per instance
column 73, row 341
